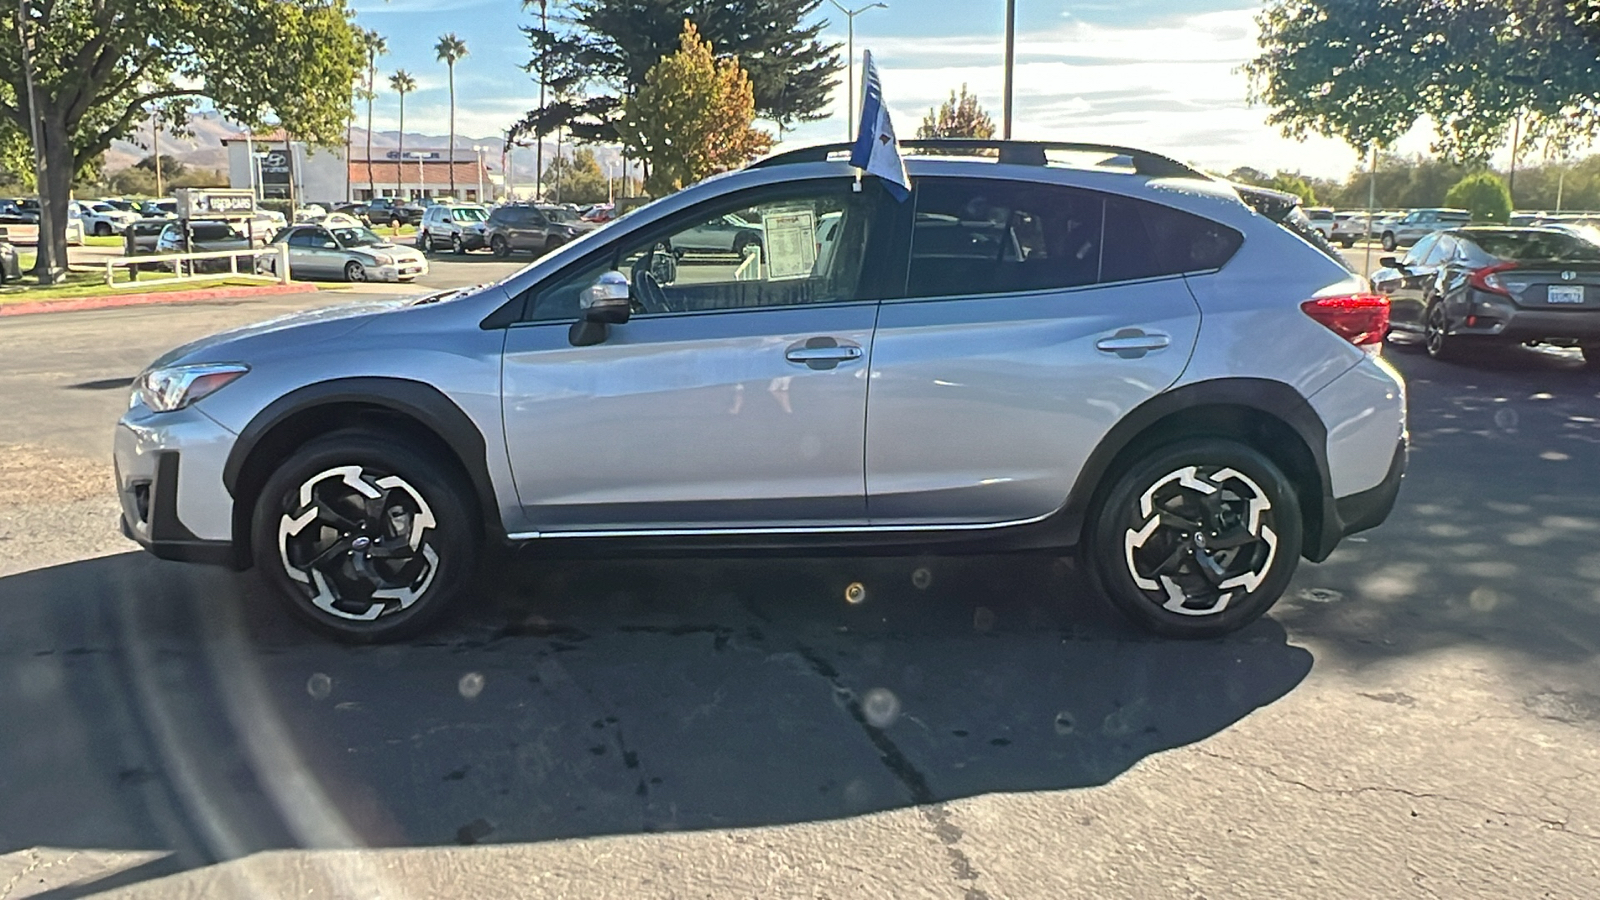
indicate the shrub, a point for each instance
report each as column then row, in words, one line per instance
column 1484, row 195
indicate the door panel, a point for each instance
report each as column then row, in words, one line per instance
column 690, row 421
column 984, row 410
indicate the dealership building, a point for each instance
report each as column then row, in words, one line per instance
column 326, row 175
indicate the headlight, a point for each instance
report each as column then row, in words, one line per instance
column 174, row 387
column 383, row 259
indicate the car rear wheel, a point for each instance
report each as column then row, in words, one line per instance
column 101, row 229
column 354, row 271
column 1436, row 334
column 499, row 247
column 363, row 538
column 424, row 243
column 1197, row 539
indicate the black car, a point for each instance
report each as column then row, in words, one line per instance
column 1468, row 286
column 391, row 211
column 519, row 227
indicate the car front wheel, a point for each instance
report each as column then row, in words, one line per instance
column 499, row 247
column 364, row 538
column 456, row 246
column 1389, row 243
column 1196, row 540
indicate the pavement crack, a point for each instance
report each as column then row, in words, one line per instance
column 1557, row 825
column 936, row 814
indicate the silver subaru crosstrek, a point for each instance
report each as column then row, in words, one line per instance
column 1048, row 347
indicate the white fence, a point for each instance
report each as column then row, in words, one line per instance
column 280, row 271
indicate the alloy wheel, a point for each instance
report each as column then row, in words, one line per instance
column 1205, row 535
column 355, row 272
column 359, row 543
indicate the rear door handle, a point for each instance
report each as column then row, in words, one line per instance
column 822, row 353
column 1132, row 343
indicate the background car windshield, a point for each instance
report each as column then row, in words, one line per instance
column 560, row 215
column 214, row 231
column 356, row 237
column 468, row 214
column 1536, row 245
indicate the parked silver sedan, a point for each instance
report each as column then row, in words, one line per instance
column 353, row 253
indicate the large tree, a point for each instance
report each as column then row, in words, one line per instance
column 375, row 45
column 99, row 67
column 692, row 117
column 959, row 117
column 1366, row 71
column 593, row 54
column 451, row 50
column 402, row 83
column 577, row 179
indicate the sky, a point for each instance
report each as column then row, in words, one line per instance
column 1162, row 75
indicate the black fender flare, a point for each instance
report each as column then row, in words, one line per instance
column 1274, row 398
column 414, row 399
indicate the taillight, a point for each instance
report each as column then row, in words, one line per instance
column 1487, row 279
column 1361, row 319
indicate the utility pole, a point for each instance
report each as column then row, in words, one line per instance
column 538, row 139
column 850, row 96
column 1516, row 141
column 45, row 265
column 1011, row 64
column 155, row 143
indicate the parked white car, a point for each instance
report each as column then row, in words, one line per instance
column 101, row 218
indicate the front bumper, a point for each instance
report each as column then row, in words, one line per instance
column 401, row 271
column 169, row 481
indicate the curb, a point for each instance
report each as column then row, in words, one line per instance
column 111, row 301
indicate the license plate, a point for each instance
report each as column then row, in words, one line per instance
column 1564, row 294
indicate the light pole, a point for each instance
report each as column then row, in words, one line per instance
column 479, row 150
column 1011, row 63
column 850, row 98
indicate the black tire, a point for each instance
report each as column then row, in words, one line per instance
column 456, row 245
column 355, row 272
column 740, row 242
column 102, row 229
column 336, row 596
column 1347, row 243
column 1138, row 559
column 1435, row 334
column 551, row 244
column 499, row 247
column 1389, row 243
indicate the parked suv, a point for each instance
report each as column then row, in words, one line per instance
column 1040, row 380
column 1420, row 223
column 459, row 226
column 390, row 211
column 519, row 227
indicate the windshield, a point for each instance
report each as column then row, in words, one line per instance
column 468, row 213
column 560, row 214
column 1536, row 245
column 357, row 237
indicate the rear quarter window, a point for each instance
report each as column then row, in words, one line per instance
column 1146, row 240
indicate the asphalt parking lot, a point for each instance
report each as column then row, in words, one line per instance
column 1418, row 717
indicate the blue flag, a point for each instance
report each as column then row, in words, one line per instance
column 875, row 150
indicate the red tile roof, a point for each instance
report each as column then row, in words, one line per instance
column 434, row 172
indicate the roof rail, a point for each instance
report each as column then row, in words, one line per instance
column 1021, row 153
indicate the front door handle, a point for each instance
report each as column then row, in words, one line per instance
column 1133, row 343
column 822, row 353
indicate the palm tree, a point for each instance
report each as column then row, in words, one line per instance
column 402, row 83
column 450, row 49
column 375, row 46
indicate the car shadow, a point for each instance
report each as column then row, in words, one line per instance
column 170, row 705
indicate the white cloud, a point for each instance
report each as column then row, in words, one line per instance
column 1173, row 87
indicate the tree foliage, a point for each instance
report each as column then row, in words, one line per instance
column 692, row 117
column 593, row 54
column 576, row 179
column 1484, row 194
column 102, row 66
column 959, row 117
column 1366, row 71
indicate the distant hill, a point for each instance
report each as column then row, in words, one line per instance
column 202, row 147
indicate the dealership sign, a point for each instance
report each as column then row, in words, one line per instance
column 194, row 203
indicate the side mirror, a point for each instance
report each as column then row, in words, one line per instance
column 603, row 304
column 1389, row 262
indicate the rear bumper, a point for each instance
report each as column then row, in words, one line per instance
column 1536, row 324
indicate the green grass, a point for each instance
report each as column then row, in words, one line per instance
column 96, row 240
column 92, row 284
